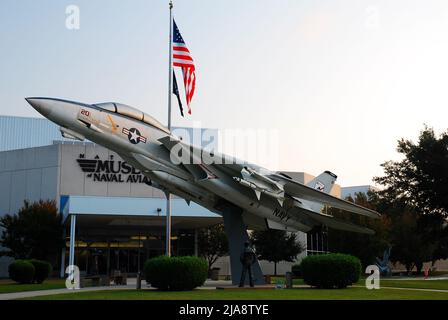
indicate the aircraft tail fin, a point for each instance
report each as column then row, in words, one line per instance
column 324, row 183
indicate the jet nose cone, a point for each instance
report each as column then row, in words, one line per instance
column 41, row 105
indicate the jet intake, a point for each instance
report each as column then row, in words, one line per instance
column 70, row 134
column 91, row 126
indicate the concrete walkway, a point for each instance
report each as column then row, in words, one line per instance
column 132, row 283
column 444, row 277
column 29, row 294
column 419, row 277
column 410, row 289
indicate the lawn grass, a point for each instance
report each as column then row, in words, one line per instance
column 417, row 284
column 9, row 286
column 352, row 293
column 358, row 292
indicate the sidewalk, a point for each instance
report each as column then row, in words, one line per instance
column 132, row 283
column 28, row 294
column 441, row 277
column 409, row 289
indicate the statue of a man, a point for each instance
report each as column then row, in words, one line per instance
column 247, row 259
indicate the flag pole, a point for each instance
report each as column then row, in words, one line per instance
column 170, row 70
column 170, row 86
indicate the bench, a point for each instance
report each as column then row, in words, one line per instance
column 120, row 278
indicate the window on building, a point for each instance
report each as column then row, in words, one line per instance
column 317, row 241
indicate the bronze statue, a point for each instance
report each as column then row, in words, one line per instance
column 247, row 259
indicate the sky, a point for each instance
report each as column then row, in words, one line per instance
column 328, row 85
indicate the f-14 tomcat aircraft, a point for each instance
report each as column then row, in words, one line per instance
column 242, row 192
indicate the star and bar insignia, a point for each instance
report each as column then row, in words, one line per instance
column 134, row 135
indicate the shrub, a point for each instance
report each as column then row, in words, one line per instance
column 21, row 271
column 42, row 270
column 296, row 271
column 331, row 270
column 176, row 273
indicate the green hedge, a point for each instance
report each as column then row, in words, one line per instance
column 176, row 273
column 331, row 270
column 21, row 271
column 296, row 271
column 42, row 270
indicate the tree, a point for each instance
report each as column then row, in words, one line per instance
column 35, row 232
column 415, row 198
column 365, row 247
column 421, row 178
column 212, row 243
column 415, row 237
column 409, row 247
column 275, row 246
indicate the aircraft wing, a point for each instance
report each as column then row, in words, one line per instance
column 290, row 186
column 194, row 159
column 301, row 191
column 197, row 155
column 309, row 218
column 331, row 222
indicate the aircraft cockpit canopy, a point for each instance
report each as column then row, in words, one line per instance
column 131, row 112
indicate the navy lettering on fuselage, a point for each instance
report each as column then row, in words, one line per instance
column 281, row 214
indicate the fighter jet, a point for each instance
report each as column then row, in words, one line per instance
column 262, row 198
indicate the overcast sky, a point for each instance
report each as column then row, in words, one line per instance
column 338, row 82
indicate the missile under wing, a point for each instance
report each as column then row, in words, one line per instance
column 303, row 203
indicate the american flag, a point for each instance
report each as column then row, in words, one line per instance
column 183, row 59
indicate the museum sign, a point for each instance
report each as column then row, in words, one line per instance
column 111, row 170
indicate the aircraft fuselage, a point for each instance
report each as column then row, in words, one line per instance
column 136, row 138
